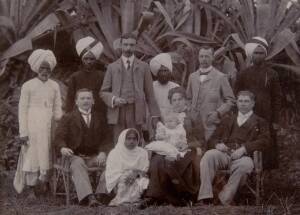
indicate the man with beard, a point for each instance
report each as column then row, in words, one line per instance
column 210, row 92
column 161, row 67
column 127, row 89
column 263, row 81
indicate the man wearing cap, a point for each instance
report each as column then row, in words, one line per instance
column 161, row 67
column 210, row 92
column 126, row 89
column 89, row 51
column 40, row 102
column 263, row 81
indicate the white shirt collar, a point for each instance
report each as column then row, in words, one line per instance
column 125, row 59
column 205, row 70
column 84, row 111
column 242, row 118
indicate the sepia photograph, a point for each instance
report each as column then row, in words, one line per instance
column 150, row 107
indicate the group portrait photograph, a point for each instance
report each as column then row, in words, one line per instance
column 148, row 107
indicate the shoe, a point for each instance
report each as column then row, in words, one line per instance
column 203, row 202
column 146, row 203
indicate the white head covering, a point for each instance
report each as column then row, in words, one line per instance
column 162, row 59
column 121, row 159
column 89, row 44
column 254, row 43
column 40, row 55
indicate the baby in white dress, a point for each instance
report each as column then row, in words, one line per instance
column 170, row 138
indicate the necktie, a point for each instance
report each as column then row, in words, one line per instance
column 128, row 64
column 88, row 119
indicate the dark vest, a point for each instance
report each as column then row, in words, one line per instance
column 88, row 145
column 239, row 134
column 127, row 88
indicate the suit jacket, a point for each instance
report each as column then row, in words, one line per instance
column 255, row 133
column 143, row 89
column 214, row 94
column 70, row 132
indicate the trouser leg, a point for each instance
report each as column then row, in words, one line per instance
column 211, row 161
column 80, row 177
column 239, row 170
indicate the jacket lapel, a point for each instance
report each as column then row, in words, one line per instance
column 78, row 118
column 135, row 72
column 119, row 78
column 250, row 122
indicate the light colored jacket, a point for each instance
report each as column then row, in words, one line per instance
column 143, row 90
column 213, row 94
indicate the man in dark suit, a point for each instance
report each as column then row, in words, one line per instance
column 80, row 136
column 263, row 81
column 232, row 146
column 127, row 89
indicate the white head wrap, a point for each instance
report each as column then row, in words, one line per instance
column 121, row 159
column 163, row 59
column 38, row 56
column 89, row 44
column 254, row 43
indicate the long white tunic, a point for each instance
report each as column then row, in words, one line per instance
column 39, row 103
column 161, row 95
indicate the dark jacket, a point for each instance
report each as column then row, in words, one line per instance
column 71, row 132
column 263, row 81
column 254, row 135
column 89, row 80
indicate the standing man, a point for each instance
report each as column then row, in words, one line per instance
column 80, row 136
column 232, row 146
column 89, row 51
column 161, row 67
column 40, row 102
column 126, row 89
column 263, row 81
column 210, row 92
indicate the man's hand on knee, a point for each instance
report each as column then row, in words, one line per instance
column 66, row 151
column 101, row 158
column 238, row 153
column 222, row 147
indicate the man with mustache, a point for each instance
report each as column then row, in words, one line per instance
column 210, row 92
column 161, row 67
column 79, row 136
column 127, row 89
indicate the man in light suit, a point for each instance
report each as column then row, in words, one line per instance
column 210, row 92
column 127, row 89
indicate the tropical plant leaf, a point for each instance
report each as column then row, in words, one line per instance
column 128, row 15
column 283, row 39
column 165, row 14
column 293, row 54
column 219, row 14
column 263, row 19
column 295, row 69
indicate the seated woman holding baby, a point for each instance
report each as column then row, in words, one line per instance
column 174, row 165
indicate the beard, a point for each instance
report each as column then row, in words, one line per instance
column 163, row 80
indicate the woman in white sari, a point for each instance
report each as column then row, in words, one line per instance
column 126, row 168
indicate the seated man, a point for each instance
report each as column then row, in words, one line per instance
column 80, row 136
column 233, row 144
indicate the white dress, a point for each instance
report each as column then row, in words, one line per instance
column 39, row 103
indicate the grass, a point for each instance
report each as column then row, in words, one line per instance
column 13, row 204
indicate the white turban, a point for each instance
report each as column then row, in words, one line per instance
column 89, row 44
column 163, row 59
column 39, row 56
column 254, row 43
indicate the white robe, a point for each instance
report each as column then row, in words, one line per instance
column 161, row 95
column 39, row 103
